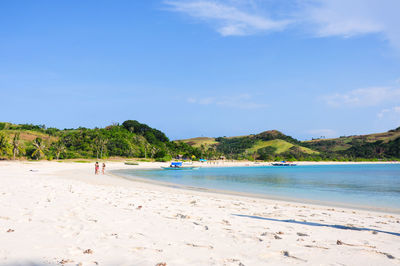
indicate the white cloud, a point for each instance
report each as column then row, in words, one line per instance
column 363, row 97
column 227, row 17
column 394, row 111
column 242, row 101
column 343, row 18
column 354, row 17
column 322, row 18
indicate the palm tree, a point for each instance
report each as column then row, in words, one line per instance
column 16, row 145
column 153, row 151
column 103, row 143
column 100, row 145
column 60, row 148
column 4, row 145
column 39, row 148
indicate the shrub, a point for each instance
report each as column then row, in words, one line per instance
column 166, row 158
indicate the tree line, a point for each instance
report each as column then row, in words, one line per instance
column 131, row 139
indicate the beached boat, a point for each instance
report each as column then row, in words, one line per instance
column 283, row 163
column 180, row 166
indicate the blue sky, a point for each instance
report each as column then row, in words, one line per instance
column 203, row 67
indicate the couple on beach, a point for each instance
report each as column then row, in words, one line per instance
column 97, row 168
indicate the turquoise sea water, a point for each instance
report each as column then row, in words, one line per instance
column 367, row 185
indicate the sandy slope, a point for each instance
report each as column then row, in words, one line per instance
column 61, row 212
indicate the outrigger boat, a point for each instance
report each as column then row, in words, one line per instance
column 179, row 166
column 283, row 163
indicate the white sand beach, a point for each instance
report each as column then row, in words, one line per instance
column 61, row 213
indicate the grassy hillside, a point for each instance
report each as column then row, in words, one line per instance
column 274, row 145
column 346, row 142
column 280, row 145
column 200, row 141
column 28, row 136
column 384, row 145
column 268, row 145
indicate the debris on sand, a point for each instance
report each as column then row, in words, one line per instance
column 226, row 222
column 286, row 254
column 301, row 234
column 311, row 246
column 10, row 230
column 199, row 246
column 182, row 216
column 338, row 242
column 63, row 261
column 161, row 264
column 277, row 237
column 88, row 251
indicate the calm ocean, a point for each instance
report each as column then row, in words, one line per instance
column 367, row 185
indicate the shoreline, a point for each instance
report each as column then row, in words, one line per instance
column 283, row 199
column 229, row 163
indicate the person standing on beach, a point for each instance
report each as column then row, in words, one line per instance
column 96, row 168
column 103, row 168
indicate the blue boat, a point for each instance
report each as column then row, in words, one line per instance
column 284, row 163
column 179, row 166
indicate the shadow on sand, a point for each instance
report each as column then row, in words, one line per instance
column 336, row 226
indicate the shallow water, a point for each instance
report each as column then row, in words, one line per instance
column 368, row 185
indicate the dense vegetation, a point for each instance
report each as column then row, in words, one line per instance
column 384, row 146
column 274, row 145
column 263, row 146
column 131, row 139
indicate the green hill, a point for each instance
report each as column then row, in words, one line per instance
column 280, row 145
column 274, row 145
column 200, row 141
column 268, row 145
column 131, row 139
column 384, row 145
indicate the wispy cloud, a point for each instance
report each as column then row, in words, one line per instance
column 394, row 111
column 227, row 18
column 324, row 18
column 349, row 18
column 363, row 97
column 242, row 101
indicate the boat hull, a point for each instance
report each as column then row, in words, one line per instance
column 284, row 164
column 181, row 168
